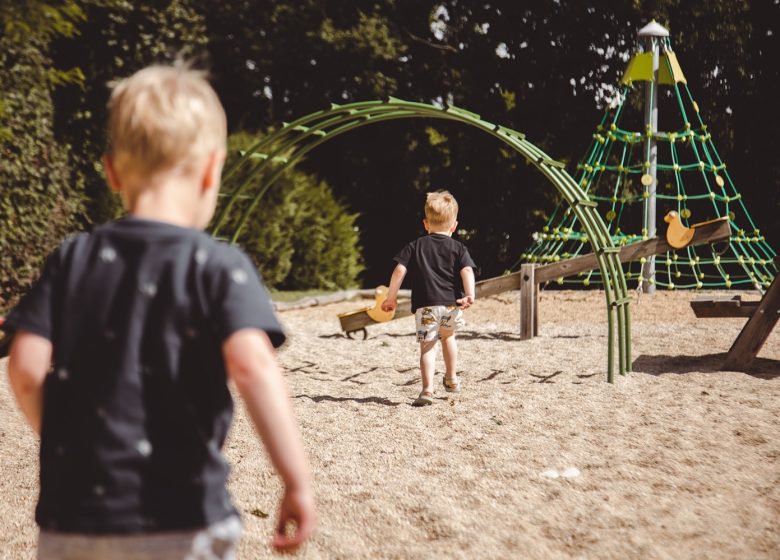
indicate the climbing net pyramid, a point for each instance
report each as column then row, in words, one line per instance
column 692, row 179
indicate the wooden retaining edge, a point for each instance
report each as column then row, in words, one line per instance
column 346, row 295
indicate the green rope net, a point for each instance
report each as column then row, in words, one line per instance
column 692, row 179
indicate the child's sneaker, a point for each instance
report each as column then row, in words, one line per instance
column 452, row 385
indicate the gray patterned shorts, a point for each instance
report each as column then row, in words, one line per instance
column 216, row 542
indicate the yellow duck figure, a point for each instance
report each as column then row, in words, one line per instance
column 376, row 312
column 677, row 235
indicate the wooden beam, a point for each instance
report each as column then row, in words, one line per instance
column 499, row 284
column 755, row 332
column 709, row 233
column 529, row 302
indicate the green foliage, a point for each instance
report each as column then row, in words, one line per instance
column 5, row 132
column 299, row 236
column 115, row 38
column 545, row 69
column 43, row 20
column 38, row 204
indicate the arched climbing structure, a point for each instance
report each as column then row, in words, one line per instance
column 283, row 148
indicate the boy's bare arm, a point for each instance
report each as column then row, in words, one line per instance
column 251, row 364
column 29, row 360
column 391, row 302
column 467, row 276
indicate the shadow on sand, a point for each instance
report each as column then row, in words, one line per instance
column 762, row 368
column 364, row 400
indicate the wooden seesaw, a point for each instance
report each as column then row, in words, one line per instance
column 528, row 278
column 373, row 313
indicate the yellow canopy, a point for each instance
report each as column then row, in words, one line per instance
column 640, row 68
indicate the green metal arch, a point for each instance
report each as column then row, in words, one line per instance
column 285, row 147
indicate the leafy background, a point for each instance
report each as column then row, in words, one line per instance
column 546, row 68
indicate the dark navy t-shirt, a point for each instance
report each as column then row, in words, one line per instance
column 434, row 263
column 137, row 407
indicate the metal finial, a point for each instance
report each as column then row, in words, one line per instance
column 653, row 29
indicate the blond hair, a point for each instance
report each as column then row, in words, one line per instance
column 441, row 208
column 162, row 117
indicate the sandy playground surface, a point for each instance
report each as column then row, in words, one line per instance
column 675, row 460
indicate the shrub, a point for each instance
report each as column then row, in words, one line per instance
column 299, row 236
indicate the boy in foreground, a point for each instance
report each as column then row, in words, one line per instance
column 122, row 351
column 442, row 276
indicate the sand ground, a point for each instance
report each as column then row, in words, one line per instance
column 676, row 460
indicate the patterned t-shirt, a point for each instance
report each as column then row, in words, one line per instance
column 137, row 407
column 434, row 263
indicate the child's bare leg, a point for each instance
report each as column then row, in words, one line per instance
column 427, row 364
column 449, row 347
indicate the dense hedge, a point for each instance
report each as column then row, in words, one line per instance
column 39, row 203
column 299, row 236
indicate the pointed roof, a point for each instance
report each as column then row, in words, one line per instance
column 653, row 29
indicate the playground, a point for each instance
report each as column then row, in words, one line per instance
column 676, row 460
column 621, row 363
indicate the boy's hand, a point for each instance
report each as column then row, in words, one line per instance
column 389, row 304
column 298, row 508
column 465, row 302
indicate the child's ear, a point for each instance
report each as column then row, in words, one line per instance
column 213, row 170
column 454, row 225
column 111, row 176
column 425, row 224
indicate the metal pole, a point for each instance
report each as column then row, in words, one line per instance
column 652, row 33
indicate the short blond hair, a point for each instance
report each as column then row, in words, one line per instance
column 162, row 117
column 441, row 208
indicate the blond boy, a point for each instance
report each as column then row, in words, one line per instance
column 442, row 275
column 143, row 321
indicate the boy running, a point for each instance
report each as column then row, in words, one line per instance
column 442, row 275
column 123, row 350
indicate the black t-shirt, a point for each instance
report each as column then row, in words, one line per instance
column 434, row 263
column 137, row 407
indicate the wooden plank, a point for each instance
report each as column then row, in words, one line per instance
column 528, row 303
column 755, row 332
column 723, row 307
column 709, row 233
column 499, row 284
